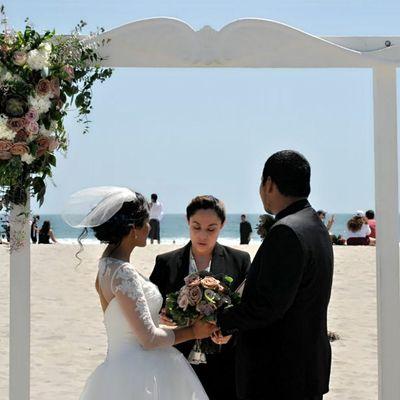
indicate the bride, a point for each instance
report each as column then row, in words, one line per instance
column 141, row 363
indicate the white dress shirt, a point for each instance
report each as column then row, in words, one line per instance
column 193, row 267
column 156, row 210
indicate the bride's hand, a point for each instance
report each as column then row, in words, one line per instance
column 218, row 338
column 164, row 320
column 202, row 329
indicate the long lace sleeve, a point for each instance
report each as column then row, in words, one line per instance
column 127, row 288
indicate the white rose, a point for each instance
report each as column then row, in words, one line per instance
column 38, row 60
column 41, row 103
column 27, row 158
column 5, row 132
column 45, row 48
column 44, row 132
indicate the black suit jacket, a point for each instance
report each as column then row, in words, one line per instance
column 171, row 268
column 283, row 351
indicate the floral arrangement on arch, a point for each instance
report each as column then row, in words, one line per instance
column 41, row 77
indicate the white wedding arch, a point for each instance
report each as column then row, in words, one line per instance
column 257, row 43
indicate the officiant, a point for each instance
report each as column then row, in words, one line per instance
column 205, row 217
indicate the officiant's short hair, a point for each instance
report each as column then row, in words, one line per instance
column 290, row 171
column 206, row 202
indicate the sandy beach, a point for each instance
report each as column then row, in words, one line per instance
column 68, row 336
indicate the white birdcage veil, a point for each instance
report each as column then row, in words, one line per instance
column 94, row 206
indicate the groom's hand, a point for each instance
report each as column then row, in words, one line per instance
column 202, row 329
column 218, row 338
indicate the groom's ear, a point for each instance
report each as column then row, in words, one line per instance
column 268, row 185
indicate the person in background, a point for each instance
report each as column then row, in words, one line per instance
column 46, row 233
column 156, row 215
column 322, row 215
column 35, row 229
column 371, row 223
column 245, row 230
column 358, row 230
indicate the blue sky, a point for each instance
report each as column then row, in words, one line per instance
column 184, row 132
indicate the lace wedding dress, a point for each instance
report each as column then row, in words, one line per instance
column 141, row 363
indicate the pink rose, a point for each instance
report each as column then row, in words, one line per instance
column 43, row 143
column 5, row 145
column 21, row 135
column 16, row 123
column 210, row 283
column 59, row 104
column 32, row 115
column 32, row 127
column 55, row 87
column 194, row 294
column 43, row 87
column 205, row 308
column 192, row 280
column 5, row 155
column 53, row 144
column 183, row 299
column 69, row 72
column 20, row 58
column 18, row 149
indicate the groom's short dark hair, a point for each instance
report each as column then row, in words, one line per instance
column 290, row 171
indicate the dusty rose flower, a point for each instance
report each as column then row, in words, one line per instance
column 205, row 308
column 69, row 71
column 192, row 280
column 16, row 123
column 43, row 87
column 32, row 115
column 195, row 294
column 53, row 144
column 20, row 58
column 210, row 283
column 18, row 149
column 43, row 143
column 55, row 87
column 32, row 127
column 5, row 155
column 22, row 135
column 183, row 299
column 5, row 145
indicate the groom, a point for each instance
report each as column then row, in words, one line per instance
column 283, row 351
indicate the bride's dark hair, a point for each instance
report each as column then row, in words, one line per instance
column 132, row 214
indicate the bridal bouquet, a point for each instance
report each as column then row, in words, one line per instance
column 201, row 296
column 41, row 76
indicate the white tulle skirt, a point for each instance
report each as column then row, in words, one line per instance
column 136, row 374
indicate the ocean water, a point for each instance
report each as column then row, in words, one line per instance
column 174, row 228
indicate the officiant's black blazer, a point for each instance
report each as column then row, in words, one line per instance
column 218, row 375
column 283, row 351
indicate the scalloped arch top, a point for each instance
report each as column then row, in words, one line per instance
column 251, row 42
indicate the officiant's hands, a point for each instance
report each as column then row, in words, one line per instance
column 164, row 320
column 218, row 338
